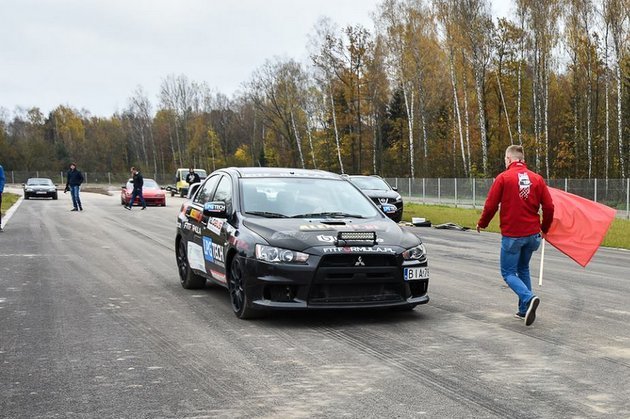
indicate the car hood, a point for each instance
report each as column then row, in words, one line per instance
column 39, row 187
column 380, row 193
column 303, row 234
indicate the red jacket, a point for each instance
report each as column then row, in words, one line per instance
column 521, row 193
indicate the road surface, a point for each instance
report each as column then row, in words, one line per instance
column 94, row 323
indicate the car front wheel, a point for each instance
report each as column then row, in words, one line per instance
column 187, row 277
column 241, row 303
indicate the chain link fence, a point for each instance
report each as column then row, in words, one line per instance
column 448, row 191
column 472, row 192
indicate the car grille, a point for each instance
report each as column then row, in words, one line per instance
column 342, row 279
column 377, row 201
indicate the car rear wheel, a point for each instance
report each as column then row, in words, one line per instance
column 187, row 277
column 54, row 196
column 238, row 294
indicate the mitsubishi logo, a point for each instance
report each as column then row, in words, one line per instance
column 383, row 200
column 359, row 262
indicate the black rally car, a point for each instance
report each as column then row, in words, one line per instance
column 296, row 239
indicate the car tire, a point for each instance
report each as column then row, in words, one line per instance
column 172, row 193
column 187, row 277
column 241, row 303
column 181, row 193
column 54, row 197
column 26, row 196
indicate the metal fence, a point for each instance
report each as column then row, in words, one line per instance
column 472, row 192
column 448, row 191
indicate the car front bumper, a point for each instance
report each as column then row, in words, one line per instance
column 330, row 286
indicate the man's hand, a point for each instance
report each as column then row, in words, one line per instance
column 478, row 229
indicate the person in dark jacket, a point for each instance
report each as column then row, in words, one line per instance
column 74, row 179
column 520, row 193
column 192, row 177
column 138, row 183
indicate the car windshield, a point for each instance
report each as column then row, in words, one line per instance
column 39, row 182
column 370, row 182
column 304, row 198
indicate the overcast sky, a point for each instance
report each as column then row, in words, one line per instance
column 93, row 54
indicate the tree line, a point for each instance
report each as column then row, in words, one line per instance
column 438, row 88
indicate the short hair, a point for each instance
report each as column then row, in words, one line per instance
column 133, row 168
column 515, row 152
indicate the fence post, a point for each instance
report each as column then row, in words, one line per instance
column 109, row 178
column 439, row 191
column 86, row 181
column 628, row 198
column 37, row 173
column 423, row 191
column 595, row 192
column 409, row 187
column 12, row 177
column 455, row 192
column 61, row 177
column 474, row 193
column 566, row 185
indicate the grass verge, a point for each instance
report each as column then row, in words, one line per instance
column 618, row 234
column 8, row 199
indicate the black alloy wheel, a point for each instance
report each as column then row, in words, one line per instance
column 187, row 277
column 238, row 294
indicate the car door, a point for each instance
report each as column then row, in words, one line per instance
column 195, row 224
column 215, row 237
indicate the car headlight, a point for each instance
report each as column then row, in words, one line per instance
column 415, row 253
column 29, row 189
column 398, row 198
column 278, row 255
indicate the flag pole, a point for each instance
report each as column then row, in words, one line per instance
column 542, row 262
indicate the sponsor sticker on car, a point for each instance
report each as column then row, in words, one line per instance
column 195, row 257
column 411, row 274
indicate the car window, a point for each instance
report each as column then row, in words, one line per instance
column 224, row 191
column 302, row 197
column 207, row 188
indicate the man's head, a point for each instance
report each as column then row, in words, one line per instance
column 73, row 166
column 191, row 170
column 514, row 153
column 134, row 170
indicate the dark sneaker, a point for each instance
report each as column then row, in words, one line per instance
column 81, row 209
column 127, row 207
column 530, row 316
column 74, row 209
column 519, row 316
column 143, row 208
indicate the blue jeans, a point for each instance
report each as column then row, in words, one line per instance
column 74, row 192
column 516, row 253
column 137, row 192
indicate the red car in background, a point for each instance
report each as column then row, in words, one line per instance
column 151, row 191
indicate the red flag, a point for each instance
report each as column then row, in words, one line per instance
column 579, row 225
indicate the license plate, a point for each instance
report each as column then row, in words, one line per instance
column 41, row 192
column 411, row 274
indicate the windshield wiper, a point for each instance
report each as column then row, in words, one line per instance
column 336, row 214
column 266, row 214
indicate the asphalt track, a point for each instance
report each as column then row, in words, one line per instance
column 94, row 323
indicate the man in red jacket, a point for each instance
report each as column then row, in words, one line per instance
column 521, row 193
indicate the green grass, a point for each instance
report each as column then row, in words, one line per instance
column 618, row 234
column 8, row 199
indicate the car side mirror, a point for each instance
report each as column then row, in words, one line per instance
column 215, row 209
column 395, row 188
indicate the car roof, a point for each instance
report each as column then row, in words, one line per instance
column 257, row 172
column 38, row 178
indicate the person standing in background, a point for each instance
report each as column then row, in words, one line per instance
column 2, row 180
column 138, row 183
column 74, row 179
